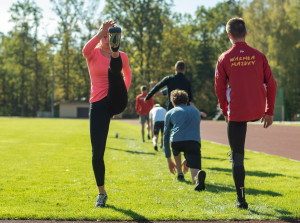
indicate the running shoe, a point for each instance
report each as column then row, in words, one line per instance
column 155, row 148
column 241, row 204
column 101, row 200
column 117, row 135
column 200, row 181
column 114, row 38
column 180, row 177
column 148, row 136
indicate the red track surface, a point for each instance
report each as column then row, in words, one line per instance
column 280, row 140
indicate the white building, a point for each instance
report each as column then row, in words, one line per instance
column 74, row 110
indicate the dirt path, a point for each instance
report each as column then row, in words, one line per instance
column 279, row 140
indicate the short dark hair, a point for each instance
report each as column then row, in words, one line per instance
column 179, row 97
column 236, row 27
column 179, row 66
column 143, row 88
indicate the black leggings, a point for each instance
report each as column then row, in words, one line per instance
column 101, row 112
column 236, row 136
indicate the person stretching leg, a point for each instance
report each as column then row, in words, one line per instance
column 108, row 94
column 182, row 129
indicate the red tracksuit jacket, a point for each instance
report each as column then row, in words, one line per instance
column 143, row 107
column 244, row 84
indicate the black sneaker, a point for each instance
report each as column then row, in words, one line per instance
column 114, row 38
column 155, row 148
column 180, row 177
column 101, row 200
column 200, row 181
column 148, row 136
column 241, row 204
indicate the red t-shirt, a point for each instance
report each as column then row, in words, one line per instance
column 244, row 84
column 143, row 107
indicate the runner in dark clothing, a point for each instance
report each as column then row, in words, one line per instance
column 173, row 82
column 251, row 83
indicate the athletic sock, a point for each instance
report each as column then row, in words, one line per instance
column 154, row 141
column 239, row 179
column 241, row 197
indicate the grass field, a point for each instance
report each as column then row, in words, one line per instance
column 46, row 173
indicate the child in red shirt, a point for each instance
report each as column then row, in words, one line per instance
column 143, row 108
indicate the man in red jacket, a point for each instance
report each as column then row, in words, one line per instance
column 246, row 91
column 143, row 108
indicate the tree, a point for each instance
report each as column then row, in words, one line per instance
column 24, row 68
column 73, row 14
column 208, row 39
column 24, row 14
column 143, row 26
column 273, row 28
column 37, row 15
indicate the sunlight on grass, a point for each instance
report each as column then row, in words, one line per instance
column 46, row 173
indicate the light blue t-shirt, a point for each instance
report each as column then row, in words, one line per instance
column 182, row 123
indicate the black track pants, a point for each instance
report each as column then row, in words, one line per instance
column 100, row 114
column 236, row 136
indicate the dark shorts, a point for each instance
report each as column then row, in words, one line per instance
column 144, row 118
column 191, row 151
column 158, row 126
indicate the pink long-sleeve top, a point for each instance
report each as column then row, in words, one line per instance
column 98, row 68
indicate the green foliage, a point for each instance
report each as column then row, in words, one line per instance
column 48, row 175
column 23, row 57
column 143, row 27
column 154, row 39
column 208, row 39
column 275, row 31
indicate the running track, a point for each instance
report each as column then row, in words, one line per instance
column 279, row 140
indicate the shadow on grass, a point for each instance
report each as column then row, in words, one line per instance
column 135, row 216
column 185, row 181
column 125, row 138
column 122, row 138
column 264, row 192
column 129, row 151
column 250, row 173
column 213, row 158
column 282, row 214
column 216, row 188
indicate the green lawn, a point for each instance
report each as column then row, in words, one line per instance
column 46, row 173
